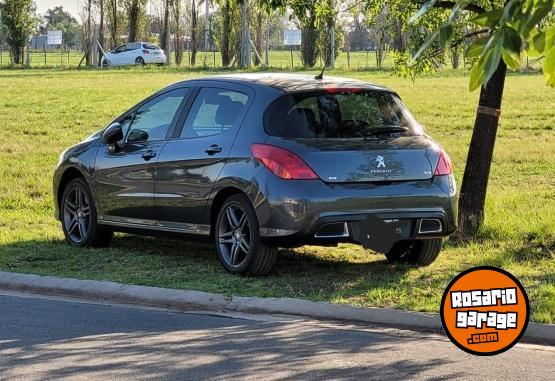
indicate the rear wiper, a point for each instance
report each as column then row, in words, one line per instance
column 386, row 130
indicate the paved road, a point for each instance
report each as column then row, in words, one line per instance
column 52, row 338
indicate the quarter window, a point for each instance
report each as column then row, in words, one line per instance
column 152, row 120
column 213, row 112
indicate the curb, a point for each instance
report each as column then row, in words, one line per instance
column 183, row 299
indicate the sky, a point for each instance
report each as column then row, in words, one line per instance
column 70, row 6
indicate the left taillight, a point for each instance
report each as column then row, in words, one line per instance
column 146, row 52
column 283, row 163
column 444, row 165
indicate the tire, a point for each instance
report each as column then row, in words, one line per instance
column 78, row 216
column 140, row 61
column 415, row 252
column 237, row 239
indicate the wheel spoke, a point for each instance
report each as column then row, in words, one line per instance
column 82, row 229
column 233, row 255
column 244, row 246
column 243, row 221
column 70, row 206
column 85, row 210
column 227, row 234
column 79, row 197
column 72, row 225
column 232, row 218
column 228, row 240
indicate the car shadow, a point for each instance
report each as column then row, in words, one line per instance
column 317, row 273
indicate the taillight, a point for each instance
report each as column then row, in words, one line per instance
column 444, row 166
column 283, row 163
column 146, row 52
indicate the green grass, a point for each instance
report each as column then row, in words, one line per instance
column 44, row 111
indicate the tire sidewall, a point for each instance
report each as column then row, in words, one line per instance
column 244, row 203
column 81, row 183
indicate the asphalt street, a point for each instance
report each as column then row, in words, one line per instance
column 53, row 338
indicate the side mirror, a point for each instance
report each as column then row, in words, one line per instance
column 112, row 134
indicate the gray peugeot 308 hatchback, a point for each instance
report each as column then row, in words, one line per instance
column 254, row 162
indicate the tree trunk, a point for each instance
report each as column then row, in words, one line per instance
column 258, row 36
column 113, row 19
column 101, row 30
column 480, row 153
column 455, row 58
column 134, row 11
column 194, row 27
column 309, row 51
column 178, row 46
column 88, row 36
column 225, row 47
column 165, row 26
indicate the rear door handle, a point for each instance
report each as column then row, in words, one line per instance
column 148, row 155
column 213, row 149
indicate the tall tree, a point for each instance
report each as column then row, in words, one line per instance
column 58, row 19
column 164, row 35
column 112, row 10
column 101, row 9
column 194, row 32
column 226, row 26
column 18, row 19
column 178, row 31
column 502, row 31
column 136, row 10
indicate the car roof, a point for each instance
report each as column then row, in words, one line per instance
column 290, row 83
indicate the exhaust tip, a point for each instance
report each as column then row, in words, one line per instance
column 430, row 225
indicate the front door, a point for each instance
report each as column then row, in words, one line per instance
column 124, row 176
column 191, row 162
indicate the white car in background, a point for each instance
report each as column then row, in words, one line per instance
column 135, row 53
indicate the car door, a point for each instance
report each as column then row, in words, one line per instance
column 115, row 56
column 124, row 177
column 191, row 162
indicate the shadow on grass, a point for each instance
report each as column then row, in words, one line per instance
column 310, row 272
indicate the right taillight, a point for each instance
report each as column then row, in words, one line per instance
column 444, row 165
column 283, row 163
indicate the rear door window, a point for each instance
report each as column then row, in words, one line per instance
column 213, row 112
column 339, row 113
column 150, row 47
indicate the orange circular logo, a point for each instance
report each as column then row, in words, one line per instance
column 485, row 310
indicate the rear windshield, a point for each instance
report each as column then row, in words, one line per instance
column 339, row 113
column 150, row 46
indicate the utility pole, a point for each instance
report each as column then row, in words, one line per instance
column 245, row 50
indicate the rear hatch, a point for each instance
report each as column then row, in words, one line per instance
column 359, row 160
column 352, row 135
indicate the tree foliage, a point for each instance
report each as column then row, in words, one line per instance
column 509, row 30
column 18, row 19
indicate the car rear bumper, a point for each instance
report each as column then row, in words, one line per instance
column 293, row 213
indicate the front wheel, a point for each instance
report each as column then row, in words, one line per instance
column 78, row 215
column 415, row 252
column 238, row 239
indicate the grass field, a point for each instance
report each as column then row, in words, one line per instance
column 45, row 111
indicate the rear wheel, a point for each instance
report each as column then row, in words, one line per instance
column 415, row 252
column 78, row 215
column 139, row 61
column 238, row 239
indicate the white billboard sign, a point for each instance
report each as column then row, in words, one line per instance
column 292, row 37
column 54, row 37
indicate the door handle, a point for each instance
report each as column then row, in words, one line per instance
column 148, row 155
column 213, row 149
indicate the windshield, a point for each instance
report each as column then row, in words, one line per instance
column 339, row 113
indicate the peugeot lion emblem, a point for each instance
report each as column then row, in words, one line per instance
column 380, row 160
